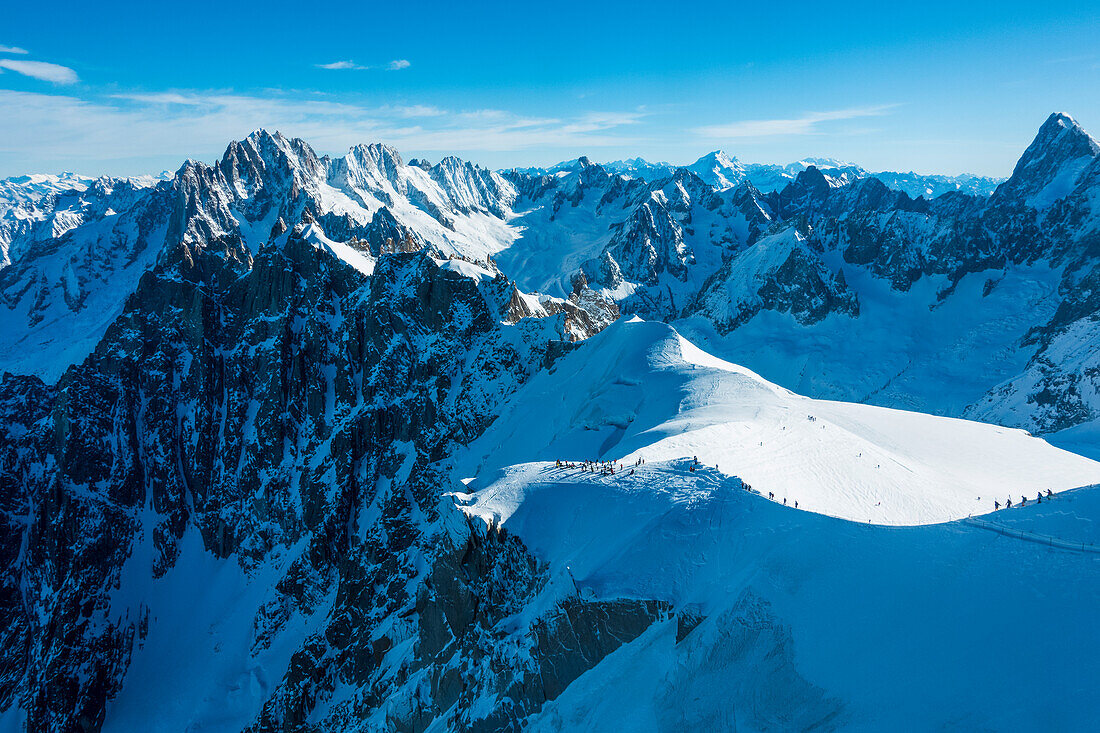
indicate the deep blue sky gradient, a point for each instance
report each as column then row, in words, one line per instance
column 933, row 86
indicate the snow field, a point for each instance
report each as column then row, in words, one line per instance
column 640, row 390
column 810, row 620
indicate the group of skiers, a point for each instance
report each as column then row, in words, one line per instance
column 1023, row 500
column 604, row 468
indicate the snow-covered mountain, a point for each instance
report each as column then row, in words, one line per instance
column 723, row 171
column 931, row 186
column 640, row 390
column 950, row 305
column 60, row 293
column 39, row 207
column 293, row 442
column 249, row 425
column 26, row 204
column 946, row 290
column 876, row 269
column 639, row 168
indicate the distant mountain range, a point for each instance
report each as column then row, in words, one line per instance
column 723, row 171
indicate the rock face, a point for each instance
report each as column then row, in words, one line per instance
column 1050, row 168
column 294, row 415
column 1043, row 220
column 780, row 273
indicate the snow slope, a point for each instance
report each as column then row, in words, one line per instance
column 807, row 621
column 207, row 663
column 640, row 390
column 28, row 206
column 901, row 342
column 361, row 261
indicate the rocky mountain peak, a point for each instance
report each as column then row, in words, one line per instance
column 806, row 191
column 250, row 162
column 718, row 169
column 1050, row 167
column 379, row 156
column 1062, row 130
column 262, row 138
column 453, row 162
column 872, row 193
column 717, row 157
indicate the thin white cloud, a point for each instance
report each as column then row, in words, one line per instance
column 484, row 114
column 41, row 70
column 321, row 106
column 162, row 98
column 807, row 124
column 56, row 130
column 12, row 49
column 502, row 117
column 395, row 65
column 1076, row 59
column 342, row 65
column 595, row 121
column 413, row 110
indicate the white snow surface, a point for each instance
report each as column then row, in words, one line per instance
column 1061, row 185
column 640, row 390
column 203, row 665
column 466, row 269
column 950, row 626
column 901, row 343
column 360, row 260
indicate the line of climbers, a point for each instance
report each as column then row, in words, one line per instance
column 1023, row 500
column 744, row 484
column 771, row 495
column 608, row 468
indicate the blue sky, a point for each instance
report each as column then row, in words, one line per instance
column 126, row 88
